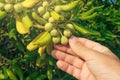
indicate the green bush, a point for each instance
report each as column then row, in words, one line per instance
column 93, row 19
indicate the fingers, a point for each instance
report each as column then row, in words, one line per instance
column 65, row 48
column 69, row 69
column 91, row 45
column 80, row 50
column 96, row 46
column 75, row 61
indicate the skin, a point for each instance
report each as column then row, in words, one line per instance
column 87, row 60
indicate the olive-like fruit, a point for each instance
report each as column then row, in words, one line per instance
column 70, row 26
column 58, row 8
column 18, row 7
column 45, row 4
column 48, row 26
column 64, row 40
column 67, row 33
column 41, row 10
column 54, row 32
column 56, row 40
column 46, row 15
column 8, row 7
column 51, row 20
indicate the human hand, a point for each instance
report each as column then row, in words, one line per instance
column 87, row 60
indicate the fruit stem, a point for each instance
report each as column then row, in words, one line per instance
column 60, row 32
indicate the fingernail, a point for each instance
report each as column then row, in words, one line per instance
column 72, row 40
column 59, row 64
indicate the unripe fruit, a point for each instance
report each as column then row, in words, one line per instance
column 51, row 20
column 58, row 8
column 64, row 40
column 56, row 40
column 45, row 4
column 41, row 10
column 67, row 33
column 2, row 6
column 8, row 7
column 54, row 32
column 46, row 15
column 70, row 26
column 48, row 26
column 18, row 8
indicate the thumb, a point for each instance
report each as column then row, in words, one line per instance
column 82, row 51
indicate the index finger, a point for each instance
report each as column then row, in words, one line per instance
column 96, row 46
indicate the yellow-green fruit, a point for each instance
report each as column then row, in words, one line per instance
column 2, row 6
column 18, row 7
column 56, row 40
column 64, row 40
column 54, row 32
column 70, row 26
column 48, row 26
column 51, row 20
column 67, row 33
column 41, row 10
column 8, row 7
column 58, row 8
column 45, row 4
column 46, row 16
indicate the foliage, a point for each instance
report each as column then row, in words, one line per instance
column 28, row 65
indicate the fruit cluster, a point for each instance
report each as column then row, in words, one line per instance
column 53, row 17
column 10, row 6
column 55, row 29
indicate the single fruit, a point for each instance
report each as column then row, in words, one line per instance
column 67, row 33
column 54, row 32
column 56, row 40
column 45, row 4
column 18, row 7
column 8, row 7
column 58, row 8
column 70, row 26
column 41, row 10
column 48, row 26
column 51, row 20
column 46, row 15
column 64, row 40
